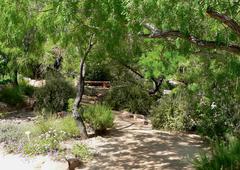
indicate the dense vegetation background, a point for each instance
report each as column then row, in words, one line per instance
column 187, row 49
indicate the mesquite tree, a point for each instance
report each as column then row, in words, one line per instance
column 85, row 29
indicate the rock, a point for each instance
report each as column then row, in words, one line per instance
column 166, row 92
column 127, row 114
column 3, row 106
column 141, row 119
column 73, row 163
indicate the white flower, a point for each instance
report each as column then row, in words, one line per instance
column 28, row 135
column 27, row 132
column 213, row 105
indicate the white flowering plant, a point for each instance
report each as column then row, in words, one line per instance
column 46, row 142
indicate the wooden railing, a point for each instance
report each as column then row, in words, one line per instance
column 105, row 84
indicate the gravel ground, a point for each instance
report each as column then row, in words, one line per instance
column 130, row 145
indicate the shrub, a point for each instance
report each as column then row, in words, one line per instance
column 54, row 95
column 48, row 133
column 82, row 151
column 26, row 89
column 46, row 142
column 12, row 136
column 131, row 97
column 174, row 112
column 224, row 156
column 97, row 71
column 12, row 96
column 100, row 117
column 70, row 105
column 66, row 124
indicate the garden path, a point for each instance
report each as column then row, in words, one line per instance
column 131, row 145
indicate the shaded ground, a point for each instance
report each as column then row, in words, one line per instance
column 129, row 146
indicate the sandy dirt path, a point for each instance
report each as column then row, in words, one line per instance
column 129, row 146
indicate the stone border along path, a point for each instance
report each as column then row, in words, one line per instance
column 129, row 146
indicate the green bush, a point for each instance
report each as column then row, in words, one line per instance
column 46, row 142
column 46, row 135
column 12, row 96
column 100, row 117
column 174, row 112
column 26, row 89
column 97, row 71
column 53, row 97
column 70, row 105
column 131, row 97
column 82, row 151
column 224, row 156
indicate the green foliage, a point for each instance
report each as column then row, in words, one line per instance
column 97, row 72
column 100, row 117
column 12, row 96
column 66, row 124
column 131, row 97
column 46, row 142
column 82, row 151
column 70, row 105
column 224, row 156
column 174, row 112
column 216, row 105
column 54, row 95
column 26, row 89
column 46, row 135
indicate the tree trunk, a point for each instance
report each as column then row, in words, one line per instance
column 15, row 77
column 80, row 89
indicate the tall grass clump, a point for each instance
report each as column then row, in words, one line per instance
column 100, row 117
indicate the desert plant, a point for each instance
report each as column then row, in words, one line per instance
column 54, row 95
column 70, row 105
column 174, row 112
column 100, row 117
column 66, row 125
column 82, row 151
column 12, row 96
column 26, row 89
column 46, row 142
column 131, row 97
column 13, row 136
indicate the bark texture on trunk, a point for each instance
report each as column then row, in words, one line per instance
column 80, row 90
column 15, row 77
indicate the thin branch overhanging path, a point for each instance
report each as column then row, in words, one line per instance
column 232, row 24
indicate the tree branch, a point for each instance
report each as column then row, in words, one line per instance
column 157, row 82
column 156, row 33
column 225, row 19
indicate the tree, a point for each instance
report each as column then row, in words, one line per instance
column 20, row 39
column 77, row 26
